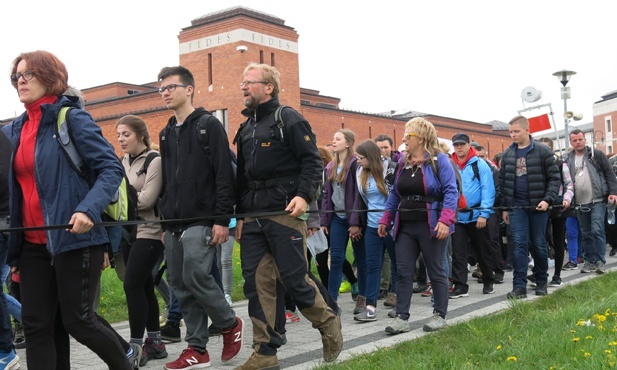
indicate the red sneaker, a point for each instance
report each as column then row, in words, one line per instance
column 190, row 358
column 232, row 340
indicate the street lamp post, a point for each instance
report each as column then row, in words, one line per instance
column 564, row 76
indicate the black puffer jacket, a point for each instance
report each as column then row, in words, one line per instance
column 543, row 177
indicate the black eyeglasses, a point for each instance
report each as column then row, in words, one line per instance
column 250, row 82
column 170, row 88
column 27, row 75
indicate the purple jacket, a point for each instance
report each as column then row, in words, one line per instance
column 352, row 196
column 442, row 186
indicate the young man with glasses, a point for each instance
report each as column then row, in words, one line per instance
column 279, row 168
column 196, row 186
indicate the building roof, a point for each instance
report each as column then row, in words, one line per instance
column 234, row 12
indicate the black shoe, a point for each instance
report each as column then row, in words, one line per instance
column 458, row 293
column 517, row 293
column 170, row 332
column 19, row 339
column 509, row 267
column 541, row 289
column 420, row 287
column 613, row 252
column 532, row 281
column 213, row 331
column 488, row 289
column 499, row 277
column 480, row 281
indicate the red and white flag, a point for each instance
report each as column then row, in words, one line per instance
column 539, row 123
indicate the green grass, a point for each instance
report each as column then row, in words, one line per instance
column 572, row 328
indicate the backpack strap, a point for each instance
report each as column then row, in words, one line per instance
column 149, row 158
column 280, row 124
column 64, row 137
column 476, row 171
column 202, row 132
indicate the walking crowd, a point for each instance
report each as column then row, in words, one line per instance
column 421, row 214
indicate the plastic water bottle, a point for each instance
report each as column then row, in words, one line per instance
column 610, row 213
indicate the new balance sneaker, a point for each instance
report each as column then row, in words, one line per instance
column 259, row 361
column 291, row 316
column 151, row 351
column 517, row 293
column 428, row 292
column 570, row 265
column 9, row 360
column 531, row 279
column 600, row 268
column 435, row 323
column 555, row 282
column 360, row 304
column 541, row 289
column 398, row 326
column 331, row 339
column 458, row 293
column 134, row 355
column 366, row 315
column 587, row 267
column 190, row 358
column 232, row 340
column 170, row 332
column 390, row 300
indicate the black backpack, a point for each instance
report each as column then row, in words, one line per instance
column 202, row 136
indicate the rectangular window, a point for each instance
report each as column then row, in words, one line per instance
column 272, row 60
column 609, row 124
column 222, row 116
column 209, row 69
column 261, row 56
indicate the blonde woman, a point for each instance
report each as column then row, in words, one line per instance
column 425, row 187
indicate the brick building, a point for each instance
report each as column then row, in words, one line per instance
column 218, row 46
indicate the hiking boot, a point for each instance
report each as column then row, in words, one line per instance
column 366, row 315
column 488, row 289
column 600, row 268
column 517, row 293
column 258, row 361
column 541, row 289
column 291, row 316
column 476, row 273
column 428, row 292
column 555, row 282
column 398, row 326
column 9, row 360
column 383, row 294
column 151, row 351
column 420, row 287
column 360, row 304
column 392, row 312
column 19, row 339
column 134, row 355
column 232, row 340
column 190, row 358
column 587, row 267
column 332, row 339
column 458, row 293
column 435, row 323
column 571, row 265
column 531, row 279
column 390, row 300
column 170, row 332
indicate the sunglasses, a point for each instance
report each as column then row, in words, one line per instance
column 409, row 135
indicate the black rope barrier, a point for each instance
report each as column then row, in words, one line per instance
column 267, row 214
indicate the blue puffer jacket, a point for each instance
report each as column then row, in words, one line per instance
column 62, row 191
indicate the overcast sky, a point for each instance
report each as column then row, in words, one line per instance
column 463, row 59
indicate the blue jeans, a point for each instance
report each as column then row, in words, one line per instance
column 591, row 222
column 374, row 246
column 529, row 236
column 573, row 235
column 339, row 237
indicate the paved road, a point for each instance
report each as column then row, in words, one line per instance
column 304, row 350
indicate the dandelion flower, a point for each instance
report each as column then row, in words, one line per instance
column 589, row 337
column 511, row 358
column 612, row 363
column 499, row 347
column 587, row 354
column 573, row 331
column 576, row 339
column 608, row 351
column 613, row 343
